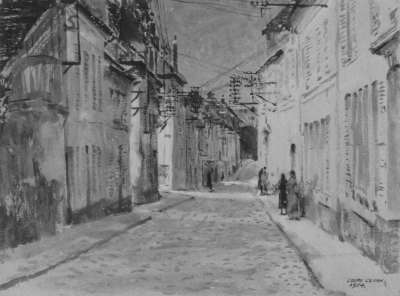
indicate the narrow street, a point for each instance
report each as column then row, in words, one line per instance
column 216, row 244
column 187, row 147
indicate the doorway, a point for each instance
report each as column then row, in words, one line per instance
column 293, row 157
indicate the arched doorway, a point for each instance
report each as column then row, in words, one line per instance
column 248, row 142
column 293, row 157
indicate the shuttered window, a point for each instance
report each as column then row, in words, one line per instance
column 100, row 84
column 347, row 31
column 86, row 74
column 78, row 88
column 94, row 78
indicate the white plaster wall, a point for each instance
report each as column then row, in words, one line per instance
column 363, row 71
column 135, row 155
column 165, row 146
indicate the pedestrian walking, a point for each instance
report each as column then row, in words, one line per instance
column 259, row 184
column 293, row 208
column 282, row 194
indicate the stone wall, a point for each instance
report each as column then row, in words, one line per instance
column 32, row 176
column 32, row 167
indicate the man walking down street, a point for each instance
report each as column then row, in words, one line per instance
column 209, row 177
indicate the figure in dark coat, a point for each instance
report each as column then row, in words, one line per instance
column 259, row 179
column 293, row 197
column 282, row 194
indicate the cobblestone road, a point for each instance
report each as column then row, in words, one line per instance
column 219, row 244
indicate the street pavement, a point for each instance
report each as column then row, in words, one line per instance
column 219, row 243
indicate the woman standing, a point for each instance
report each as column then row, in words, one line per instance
column 293, row 201
column 259, row 185
column 282, row 194
column 264, row 181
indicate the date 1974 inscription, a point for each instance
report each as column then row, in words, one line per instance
column 363, row 283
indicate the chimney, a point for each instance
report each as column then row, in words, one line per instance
column 175, row 53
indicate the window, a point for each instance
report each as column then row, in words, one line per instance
column 347, row 31
column 374, row 17
column 375, row 142
column 99, row 169
column 327, row 153
column 307, row 62
column 94, row 78
column 124, row 109
column 76, row 176
column 318, row 50
column 96, row 170
column 100, row 80
column 326, row 44
column 78, row 88
column 70, row 162
column 86, row 74
column 307, row 148
column 93, row 170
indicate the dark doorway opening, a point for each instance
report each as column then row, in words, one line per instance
column 248, row 142
column 293, row 157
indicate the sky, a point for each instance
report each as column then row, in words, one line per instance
column 214, row 36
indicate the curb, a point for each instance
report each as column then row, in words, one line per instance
column 166, row 208
column 21, row 279
column 315, row 280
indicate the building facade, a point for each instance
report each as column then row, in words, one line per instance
column 80, row 117
column 219, row 141
column 335, row 84
column 172, row 134
column 96, row 130
column 201, row 135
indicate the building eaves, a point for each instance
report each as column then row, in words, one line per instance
column 94, row 19
column 272, row 59
column 286, row 17
column 281, row 22
column 234, row 114
column 174, row 75
column 118, row 68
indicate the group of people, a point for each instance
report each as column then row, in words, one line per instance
column 291, row 193
column 291, row 197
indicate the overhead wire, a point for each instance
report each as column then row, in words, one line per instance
column 219, row 87
column 227, row 72
column 202, row 61
column 226, row 9
column 215, row 6
column 218, row 3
